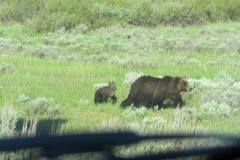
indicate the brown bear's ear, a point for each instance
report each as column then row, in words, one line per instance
column 184, row 76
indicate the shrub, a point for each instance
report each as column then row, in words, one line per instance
column 5, row 67
column 132, row 114
column 58, row 14
column 219, row 96
column 8, row 122
column 39, row 106
column 116, row 60
column 51, row 15
column 23, row 98
column 182, row 14
column 137, row 61
column 96, row 58
column 213, row 109
column 219, row 10
column 182, row 60
column 100, row 85
column 84, row 102
column 106, row 14
column 151, row 125
column 131, row 77
column 231, row 98
column 181, row 122
column 54, row 110
column 20, row 11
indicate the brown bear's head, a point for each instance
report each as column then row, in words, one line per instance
column 183, row 84
column 179, row 84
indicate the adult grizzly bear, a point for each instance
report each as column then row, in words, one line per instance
column 102, row 94
column 151, row 91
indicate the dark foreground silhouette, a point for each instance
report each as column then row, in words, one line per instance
column 54, row 146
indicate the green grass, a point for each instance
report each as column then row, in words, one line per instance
column 68, row 82
column 224, row 126
column 13, row 31
column 21, row 34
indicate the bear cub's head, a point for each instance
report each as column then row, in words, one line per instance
column 112, row 86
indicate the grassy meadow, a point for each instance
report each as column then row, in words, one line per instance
column 62, row 70
column 68, row 77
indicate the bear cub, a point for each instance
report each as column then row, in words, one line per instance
column 102, row 94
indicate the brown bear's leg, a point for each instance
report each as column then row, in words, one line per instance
column 105, row 99
column 176, row 99
column 128, row 102
column 144, row 102
column 156, row 104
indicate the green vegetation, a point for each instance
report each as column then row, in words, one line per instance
column 54, row 54
column 44, row 81
column 43, row 15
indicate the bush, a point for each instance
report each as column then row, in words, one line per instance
column 182, row 121
column 20, row 11
column 182, row 60
column 219, row 10
column 96, row 58
column 213, row 109
column 84, row 102
column 8, row 122
column 137, row 61
column 5, row 68
column 100, row 85
column 57, row 14
column 39, row 106
column 48, row 16
column 116, row 60
column 219, row 96
column 181, row 14
column 131, row 77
